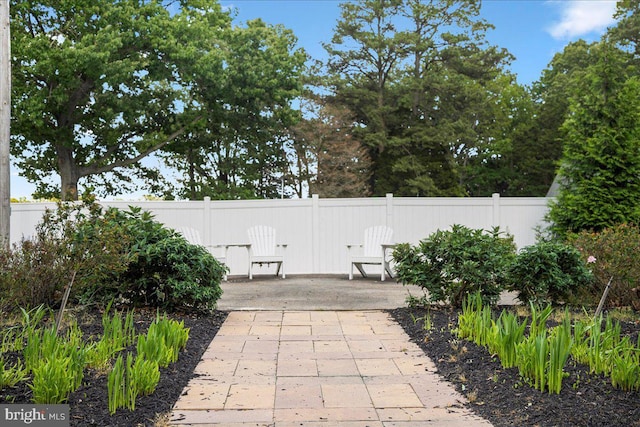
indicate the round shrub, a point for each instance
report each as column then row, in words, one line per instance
column 450, row 265
column 548, row 272
column 163, row 270
column 615, row 252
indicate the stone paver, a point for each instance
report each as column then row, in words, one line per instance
column 317, row 368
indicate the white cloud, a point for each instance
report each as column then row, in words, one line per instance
column 580, row 17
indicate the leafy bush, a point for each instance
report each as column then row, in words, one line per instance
column 450, row 265
column 62, row 254
column 616, row 253
column 108, row 254
column 163, row 270
column 548, row 272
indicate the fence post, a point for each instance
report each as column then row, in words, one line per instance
column 315, row 233
column 206, row 218
column 496, row 209
column 389, row 218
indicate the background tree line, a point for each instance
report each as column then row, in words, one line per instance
column 412, row 100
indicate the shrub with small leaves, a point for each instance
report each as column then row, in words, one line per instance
column 548, row 272
column 450, row 265
column 614, row 252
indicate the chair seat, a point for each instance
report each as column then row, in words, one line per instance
column 366, row 259
column 266, row 259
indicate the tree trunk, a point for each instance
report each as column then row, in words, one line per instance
column 69, row 175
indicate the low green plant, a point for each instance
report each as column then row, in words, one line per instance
column 127, row 380
column 118, row 333
column 560, row 342
column 53, row 380
column 145, row 374
column 116, row 386
column 10, row 376
column 626, row 369
column 548, row 273
column 163, row 341
column 450, row 265
column 508, row 332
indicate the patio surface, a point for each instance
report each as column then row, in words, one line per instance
column 328, row 366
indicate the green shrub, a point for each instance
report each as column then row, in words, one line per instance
column 60, row 254
column 548, row 272
column 450, row 265
column 108, row 254
column 166, row 271
column 616, row 253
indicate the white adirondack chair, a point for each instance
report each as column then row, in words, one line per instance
column 376, row 242
column 193, row 236
column 263, row 248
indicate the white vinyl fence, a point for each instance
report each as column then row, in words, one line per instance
column 318, row 230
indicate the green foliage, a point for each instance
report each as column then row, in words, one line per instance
column 166, row 270
column 542, row 355
column 99, row 85
column 601, row 161
column 450, row 265
column 116, row 336
column 616, row 253
column 404, row 80
column 606, row 352
column 127, row 380
column 74, row 245
column 110, row 254
column 57, row 363
column 116, row 386
column 11, row 375
column 548, row 272
column 163, row 341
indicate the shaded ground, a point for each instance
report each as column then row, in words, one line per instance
column 497, row 394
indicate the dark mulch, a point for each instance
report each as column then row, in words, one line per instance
column 88, row 405
column 499, row 395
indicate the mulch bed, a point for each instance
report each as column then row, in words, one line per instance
column 497, row 394
column 502, row 397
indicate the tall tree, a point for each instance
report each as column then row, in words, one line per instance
column 330, row 160
column 238, row 152
column 417, row 75
column 601, row 159
column 102, row 84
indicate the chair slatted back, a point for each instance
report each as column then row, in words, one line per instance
column 374, row 237
column 263, row 240
column 191, row 234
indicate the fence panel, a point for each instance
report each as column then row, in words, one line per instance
column 318, row 230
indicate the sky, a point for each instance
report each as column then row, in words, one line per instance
column 531, row 30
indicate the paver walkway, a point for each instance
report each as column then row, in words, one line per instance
column 317, row 368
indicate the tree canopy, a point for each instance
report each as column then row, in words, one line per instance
column 101, row 84
column 412, row 100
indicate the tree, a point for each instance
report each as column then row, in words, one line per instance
column 238, row 152
column 601, row 158
column 102, row 84
column 421, row 81
column 329, row 159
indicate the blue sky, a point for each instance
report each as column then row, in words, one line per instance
column 532, row 30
